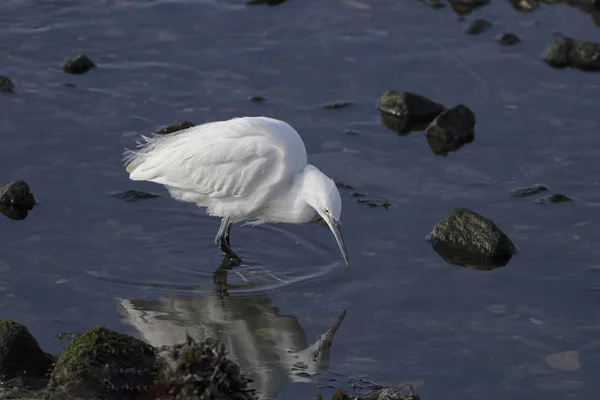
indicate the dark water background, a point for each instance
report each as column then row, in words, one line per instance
column 83, row 257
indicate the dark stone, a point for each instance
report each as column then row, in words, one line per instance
column 466, row 259
column 134, row 195
column 465, row 230
column 410, row 110
column 175, row 127
column 455, row 125
column 554, row 198
column 20, row 353
column 507, row 39
column 6, row 85
column 477, row 26
column 257, row 99
column 15, row 212
column 337, row 105
column 78, row 65
column 104, row 364
column 403, row 125
column 464, row 7
column 191, row 368
column 524, row 5
column 440, row 147
column 17, row 193
column 351, row 132
column 527, row 191
column 434, row 3
column 568, row 52
column 267, row 2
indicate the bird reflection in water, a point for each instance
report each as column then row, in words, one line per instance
column 270, row 348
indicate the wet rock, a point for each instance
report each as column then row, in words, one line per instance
column 566, row 52
column 267, row 2
column 524, row 5
column 507, row 39
column 175, row 127
column 257, row 99
column 554, row 198
column 528, row 191
column 79, row 64
column 192, row 367
column 454, row 127
column 103, row 364
column 477, row 26
column 134, row 195
column 465, row 230
column 466, row 259
column 337, row 105
column 17, row 193
column 434, row 3
column 464, row 7
column 14, row 212
column 20, row 353
column 440, row 147
column 565, row 361
column 410, row 109
column 402, row 125
column 6, row 85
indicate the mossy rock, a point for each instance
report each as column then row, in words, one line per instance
column 104, row 364
column 20, row 353
column 468, row 231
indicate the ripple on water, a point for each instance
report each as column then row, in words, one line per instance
column 176, row 253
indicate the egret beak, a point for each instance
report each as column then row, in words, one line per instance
column 337, row 233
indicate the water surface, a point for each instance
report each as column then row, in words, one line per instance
column 83, row 257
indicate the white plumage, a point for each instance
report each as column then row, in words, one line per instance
column 251, row 169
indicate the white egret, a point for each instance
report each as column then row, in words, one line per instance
column 251, row 169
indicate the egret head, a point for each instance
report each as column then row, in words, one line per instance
column 321, row 193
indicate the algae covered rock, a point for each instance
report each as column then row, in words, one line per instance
column 468, row 231
column 79, row 64
column 20, row 353
column 409, row 110
column 565, row 52
column 104, row 364
column 200, row 370
column 16, row 193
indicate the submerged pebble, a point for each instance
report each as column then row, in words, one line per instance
column 507, row 39
column 175, row 127
column 134, row 195
column 6, row 85
column 527, row 191
column 477, row 26
column 79, row 64
column 554, row 198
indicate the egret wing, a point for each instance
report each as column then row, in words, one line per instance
column 212, row 159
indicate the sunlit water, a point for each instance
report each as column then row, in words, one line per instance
column 147, row 268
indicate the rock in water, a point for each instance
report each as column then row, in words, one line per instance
column 528, row 191
column 6, row 85
column 78, row 65
column 17, row 193
column 175, row 127
column 409, row 109
column 554, row 198
column 468, row 231
column 507, row 39
column 456, row 124
column 568, row 52
column 20, row 353
column 477, row 26
column 408, row 104
column 200, row 370
column 104, row 364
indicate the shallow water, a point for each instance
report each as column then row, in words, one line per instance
column 83, row 257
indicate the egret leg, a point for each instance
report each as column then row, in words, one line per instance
column 222, row 239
